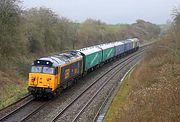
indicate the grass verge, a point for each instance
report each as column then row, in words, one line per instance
column 14, row 95
column 118, row 102
column 12, row 89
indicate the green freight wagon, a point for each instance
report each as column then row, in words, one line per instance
column 108, row 50
column 92, row 56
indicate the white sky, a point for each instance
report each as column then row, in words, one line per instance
column 110, row 11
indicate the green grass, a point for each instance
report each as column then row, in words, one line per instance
column 12, row 93
column 119, row 99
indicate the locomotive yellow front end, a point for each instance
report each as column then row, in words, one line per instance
column 43, row 79
column 49, row 75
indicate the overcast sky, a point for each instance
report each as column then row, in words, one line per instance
column 110, row 11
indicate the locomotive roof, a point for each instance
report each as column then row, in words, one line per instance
column 89, row 50
column 54, row 60
column 58, row 59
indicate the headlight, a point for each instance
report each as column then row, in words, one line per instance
column 48, row 79
column 33, row 79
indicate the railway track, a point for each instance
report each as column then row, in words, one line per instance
column 31, row 107
column 107, row 99
column 14, row 104
column 25, row 118
column 74, row 115
column 24, row 111
column 15, row 107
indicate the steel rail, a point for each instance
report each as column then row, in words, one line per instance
column 35, row 111
column 108, row 96
column 13, row 104
column 17, row 109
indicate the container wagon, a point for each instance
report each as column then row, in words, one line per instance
column 108, row 51
column 92, row 57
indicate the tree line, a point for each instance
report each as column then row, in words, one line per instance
column 28, row 34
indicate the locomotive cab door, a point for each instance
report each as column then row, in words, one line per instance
column 58, row 75
column 57, row 79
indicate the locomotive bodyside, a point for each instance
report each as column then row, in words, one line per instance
column 70, row 72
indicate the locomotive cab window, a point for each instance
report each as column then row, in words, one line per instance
column 36, row 69
column 45, row 70
column 48, row 70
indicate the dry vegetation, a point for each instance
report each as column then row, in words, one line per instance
column 152, row 91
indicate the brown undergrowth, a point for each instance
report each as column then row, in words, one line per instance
column 153, row 92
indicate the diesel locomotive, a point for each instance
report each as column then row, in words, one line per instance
column 50, row 75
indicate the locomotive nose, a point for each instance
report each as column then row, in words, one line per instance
column 41, row 80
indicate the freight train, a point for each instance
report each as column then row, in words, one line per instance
column 50, row 75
